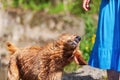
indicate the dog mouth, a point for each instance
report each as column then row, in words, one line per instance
column 75, row 42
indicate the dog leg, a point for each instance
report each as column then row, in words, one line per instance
column 13, row 73
column 79, row 59
column 56, row 76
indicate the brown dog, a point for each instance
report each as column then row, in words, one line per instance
column 44, row 63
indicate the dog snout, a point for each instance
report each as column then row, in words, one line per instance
column 77, row 39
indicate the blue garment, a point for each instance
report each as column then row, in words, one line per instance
column 106, row 50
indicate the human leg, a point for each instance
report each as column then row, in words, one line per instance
column 113, row 75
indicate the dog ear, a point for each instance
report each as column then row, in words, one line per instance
column 79, row 59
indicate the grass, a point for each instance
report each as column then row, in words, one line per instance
column 71, row 67
column 57, row 9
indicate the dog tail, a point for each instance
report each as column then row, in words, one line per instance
column 11, row 48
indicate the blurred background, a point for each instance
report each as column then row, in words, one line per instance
column 37, row 22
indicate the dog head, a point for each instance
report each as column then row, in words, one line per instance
column 69, row 42
column 70, row 47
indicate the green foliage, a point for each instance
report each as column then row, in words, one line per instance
column 31, row 4
column 71, row 67
column 75, row 7
column 88, row 39
column 59, row 8
column 78, row 10
column 38, row 5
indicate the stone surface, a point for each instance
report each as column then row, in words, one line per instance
column 86, row 73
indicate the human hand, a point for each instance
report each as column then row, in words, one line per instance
column 86, row 5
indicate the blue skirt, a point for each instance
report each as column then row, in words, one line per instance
column 106, row 50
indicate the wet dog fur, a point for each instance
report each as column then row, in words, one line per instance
column 44, row 63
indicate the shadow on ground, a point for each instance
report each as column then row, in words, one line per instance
column 75, row 76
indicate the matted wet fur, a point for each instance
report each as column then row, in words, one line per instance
column 44, row 63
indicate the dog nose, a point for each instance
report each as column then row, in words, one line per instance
column 78, row 37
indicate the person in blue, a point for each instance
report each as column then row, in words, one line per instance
column 106, row 50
